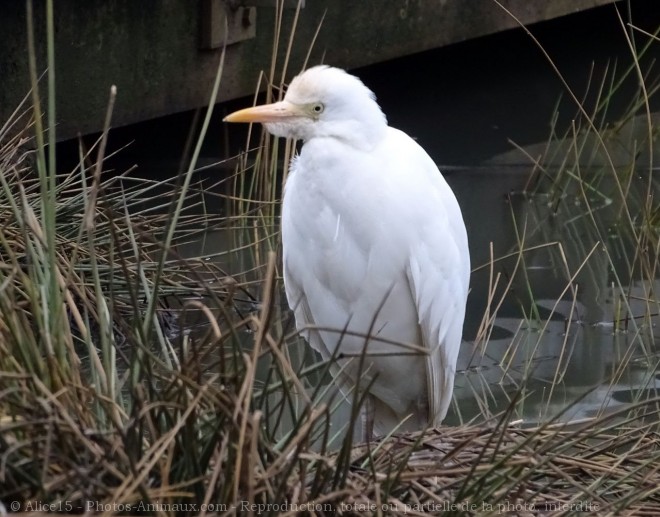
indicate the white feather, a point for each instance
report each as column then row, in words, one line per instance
column 404, row 244
column 374, row 244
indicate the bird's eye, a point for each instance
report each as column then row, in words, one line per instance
column 318, row 108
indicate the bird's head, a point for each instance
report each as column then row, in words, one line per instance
column 322, row 102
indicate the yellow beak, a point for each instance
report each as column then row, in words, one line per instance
column 276, row 112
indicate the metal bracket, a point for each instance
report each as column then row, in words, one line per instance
column 220, row 24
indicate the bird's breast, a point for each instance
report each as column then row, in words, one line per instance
column 343, row 242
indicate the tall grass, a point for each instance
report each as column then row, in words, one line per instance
column 588, row 215
column 109, row 394
column 133, row 379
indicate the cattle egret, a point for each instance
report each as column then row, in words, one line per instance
column 376, row 258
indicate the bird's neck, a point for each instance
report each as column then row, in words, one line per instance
column 354, row 133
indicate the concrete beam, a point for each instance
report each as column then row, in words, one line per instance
column 163, row 54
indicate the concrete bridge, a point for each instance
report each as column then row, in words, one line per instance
column 163, row 54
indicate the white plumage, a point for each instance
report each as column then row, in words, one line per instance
column 374, row 247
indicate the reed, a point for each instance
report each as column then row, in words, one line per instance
column 588, row 214
column 133, row 378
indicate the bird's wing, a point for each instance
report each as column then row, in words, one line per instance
column 306, row 324
column 441, row 308
column 438, row 274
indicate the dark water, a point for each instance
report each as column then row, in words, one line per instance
column 563, row 331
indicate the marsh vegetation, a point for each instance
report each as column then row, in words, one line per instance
column 136, row 371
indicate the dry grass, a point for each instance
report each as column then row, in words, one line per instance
column 500, row 468
column 133, row 380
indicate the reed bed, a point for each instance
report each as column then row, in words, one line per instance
column 500, row 468
column 134, row 380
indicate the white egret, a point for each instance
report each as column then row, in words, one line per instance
column 374, row 246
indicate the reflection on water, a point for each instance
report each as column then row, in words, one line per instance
column 570, row 334
column 564, row 334
column 567, row 366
